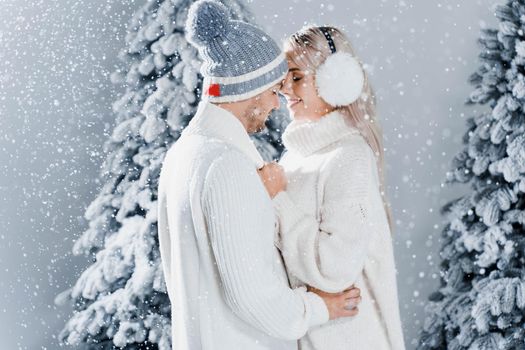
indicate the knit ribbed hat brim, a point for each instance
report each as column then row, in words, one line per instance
column 231, row 89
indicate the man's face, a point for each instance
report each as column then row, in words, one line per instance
column 260, row 107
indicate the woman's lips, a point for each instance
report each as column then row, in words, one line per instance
column 293, row 102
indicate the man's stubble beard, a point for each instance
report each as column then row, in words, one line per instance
column 253, row 115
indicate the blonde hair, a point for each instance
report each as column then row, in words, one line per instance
column 308, row 48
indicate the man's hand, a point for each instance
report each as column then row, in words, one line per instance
column 273, row 178
column 343, row 304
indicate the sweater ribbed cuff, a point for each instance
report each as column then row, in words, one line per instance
column 319, row 310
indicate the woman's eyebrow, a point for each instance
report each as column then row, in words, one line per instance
column 293, row 69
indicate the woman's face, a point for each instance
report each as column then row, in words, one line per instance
column 300, row 91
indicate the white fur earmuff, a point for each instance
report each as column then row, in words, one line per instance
column 339, row 79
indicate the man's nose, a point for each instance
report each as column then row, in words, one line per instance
column 276, row 101
column 286, row 87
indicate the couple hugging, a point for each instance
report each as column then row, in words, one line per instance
column 278, row 256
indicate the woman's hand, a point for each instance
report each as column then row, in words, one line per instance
column 342, row 304
column 273, row 178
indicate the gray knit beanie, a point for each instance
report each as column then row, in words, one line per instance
column 240, row 60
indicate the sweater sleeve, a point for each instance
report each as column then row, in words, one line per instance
column 163, row 227
column 330, row 254
column 241, row 232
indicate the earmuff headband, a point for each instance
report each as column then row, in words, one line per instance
column 328, row 37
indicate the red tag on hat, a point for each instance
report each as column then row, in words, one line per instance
column 214, row 90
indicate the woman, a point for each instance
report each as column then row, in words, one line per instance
column 334, row 223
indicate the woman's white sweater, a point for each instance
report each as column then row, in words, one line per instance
column 334, row 232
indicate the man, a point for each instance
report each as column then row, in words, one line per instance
column 225, row 279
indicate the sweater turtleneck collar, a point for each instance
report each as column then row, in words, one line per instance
column 308, row 137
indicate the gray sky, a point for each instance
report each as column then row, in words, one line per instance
column 55, row 100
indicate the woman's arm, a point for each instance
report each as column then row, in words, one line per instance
column 331, row 254
column 238, row 233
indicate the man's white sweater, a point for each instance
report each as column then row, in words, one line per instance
column 216, row 223
column 334, row 232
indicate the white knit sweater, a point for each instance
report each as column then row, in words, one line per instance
column 334, row 232
column 225, row 278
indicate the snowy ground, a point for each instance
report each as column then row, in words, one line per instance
column 55, row 99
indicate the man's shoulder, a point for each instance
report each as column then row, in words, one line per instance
column 196, row 143
column 204, row 151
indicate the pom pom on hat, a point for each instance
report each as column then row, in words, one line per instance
column 207, row 20
column 339, row 79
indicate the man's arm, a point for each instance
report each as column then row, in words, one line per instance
column 241, row 236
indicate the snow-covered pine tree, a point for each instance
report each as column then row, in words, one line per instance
column 481, row 301
column 120, row 300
